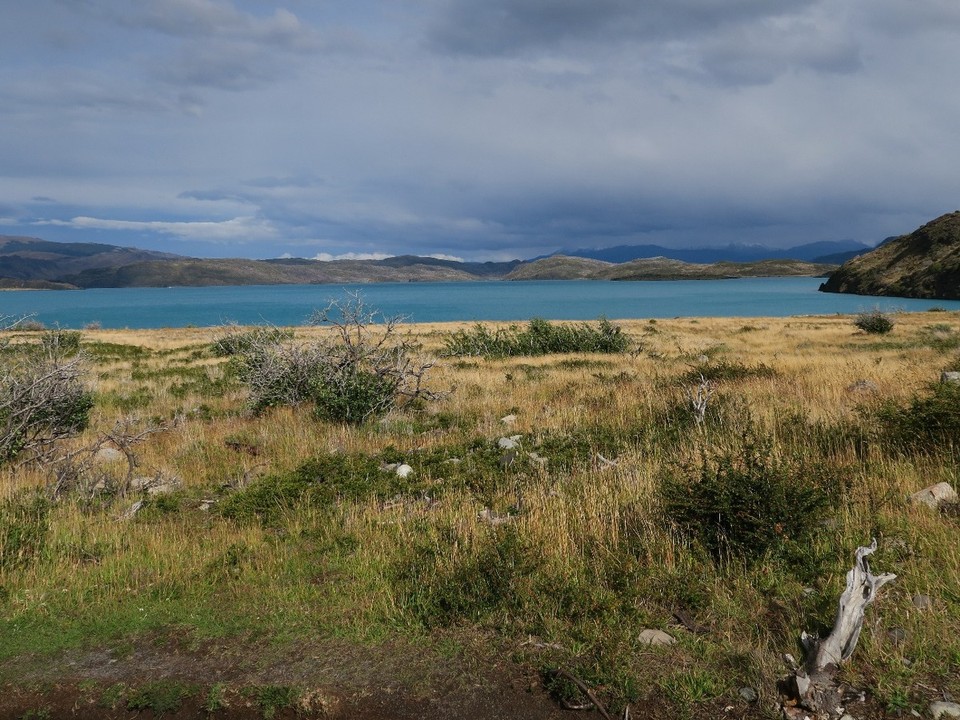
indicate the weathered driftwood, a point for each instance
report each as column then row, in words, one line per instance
column 814, row 687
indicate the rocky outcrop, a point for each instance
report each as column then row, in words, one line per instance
column 923, row 264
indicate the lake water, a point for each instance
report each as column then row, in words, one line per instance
column 435, row 302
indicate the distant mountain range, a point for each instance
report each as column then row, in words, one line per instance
column 922, row 264
column 832, row 252
column 559, row 267
column 35, row 263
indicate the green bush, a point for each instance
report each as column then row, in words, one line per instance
column 352, row 395
column 875, row 322
column 362, row 370
column 538, row 338
column 930, row 422
column 749, row 504
column 321, row 481
column 237, row 342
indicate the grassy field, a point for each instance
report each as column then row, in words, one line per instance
column 619, row 509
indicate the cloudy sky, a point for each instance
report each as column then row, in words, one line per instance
column 479, row 129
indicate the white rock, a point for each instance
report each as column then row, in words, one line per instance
column 162, row 489
column 108, row 455
column 655, row 638
column 508, row 419
column 950, row 377
column 944, row 710
column 494, row 518
column 935, row 495
column 403, row 470
column 509, row 443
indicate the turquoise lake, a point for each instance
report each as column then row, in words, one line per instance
column 436, row 302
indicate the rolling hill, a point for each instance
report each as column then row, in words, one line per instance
column 922, row 264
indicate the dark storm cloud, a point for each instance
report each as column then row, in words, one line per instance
column 507, row 27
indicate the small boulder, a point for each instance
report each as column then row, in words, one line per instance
column 403, row 470
column 922, row 602
column 747, row 694
column 896, row 635
column 509, row 443
column 509, row 420
column 936, row 495
column 944, row 709
column 950, row 377
column 655, row 638
column 108, row 455
column 494, row 518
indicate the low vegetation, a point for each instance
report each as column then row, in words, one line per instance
column 542, row 498
column 539, row 337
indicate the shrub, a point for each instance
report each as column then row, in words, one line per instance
column 236, row 342
column 929, row 422
column 749, row 504
column 363, row 370
column 42, row 400
column 874, row 322
column 538, row 338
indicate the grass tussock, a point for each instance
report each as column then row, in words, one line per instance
column 616, row 503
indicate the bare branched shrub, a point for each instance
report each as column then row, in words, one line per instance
column 699, row 399
column 42, row 397
column 363, row 370
column 80, row 471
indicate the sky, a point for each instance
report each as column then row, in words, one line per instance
column 475, row 129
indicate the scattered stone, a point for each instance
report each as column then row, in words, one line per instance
column 936, row 495
column 922, row 602
column 155, row 485
column 897, row 635
column 389, row 467
column 790, row 661
column 108, row 455
column 509, row 419
column 655, row 638
column 808, row 591
column 509, row 443
column 163, row 488
column 944, row 710
column 206, row 505
column 863, row 386
column 537, row 459
column 847, row 716
column 950, row 377
column 703, row 359
column 403, row 470
column 747, row 694
column 494, row 518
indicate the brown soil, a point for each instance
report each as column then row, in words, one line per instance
column 336, row 679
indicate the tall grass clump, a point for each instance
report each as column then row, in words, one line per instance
column 540, row 337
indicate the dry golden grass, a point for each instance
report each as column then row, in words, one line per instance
column 582, row 519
